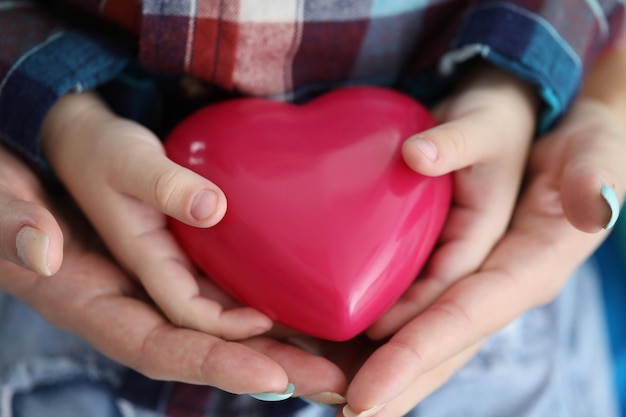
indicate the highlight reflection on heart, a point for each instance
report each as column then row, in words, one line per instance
column 326, row 225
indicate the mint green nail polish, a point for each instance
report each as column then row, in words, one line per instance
column 275, row 396
column 608, row 193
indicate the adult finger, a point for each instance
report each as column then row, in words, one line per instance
column 29, row 235
column 507, row 284
column 93, row 298
column 424, row 385
column 129, row 156
column 166, row 274
column 594, row 178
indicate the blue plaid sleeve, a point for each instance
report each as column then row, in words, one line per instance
column 39, row 62
column 549, row 43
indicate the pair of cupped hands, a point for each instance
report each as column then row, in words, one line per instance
column 517, row 228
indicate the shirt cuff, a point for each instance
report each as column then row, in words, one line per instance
column 525, row 45
column 66, row 61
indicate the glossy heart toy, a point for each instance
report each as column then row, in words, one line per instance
column 326, row 225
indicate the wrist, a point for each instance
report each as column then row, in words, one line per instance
column 73, row 114
column 606, row 83
column 488, row 85
column 504, row 81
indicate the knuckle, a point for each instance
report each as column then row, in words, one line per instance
column 167, row 188
column 406, row 349
column 457, row 139
column 142, row 362
column 457, row 316
column 179, row 318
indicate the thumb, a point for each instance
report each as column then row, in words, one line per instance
column 177, row 191
column 29, row 235
column 593, row 182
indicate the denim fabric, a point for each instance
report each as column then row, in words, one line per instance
column 47, row 372
column 551, row 362
column 613, row 266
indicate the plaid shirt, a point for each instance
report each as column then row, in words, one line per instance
column 289, row 50
column 292, row 49
column 185, row 400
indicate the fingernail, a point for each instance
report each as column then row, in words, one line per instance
column 257, row 331
column 275, row 396
column 203, row 204
column 348, row 412
column 32, row 249
column 425, row 146
column 608, row 193
column 325, row 398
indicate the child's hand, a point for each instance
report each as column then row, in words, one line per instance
column 484, row 136
column 527, row 267
column 119, row 175
column 561, row 200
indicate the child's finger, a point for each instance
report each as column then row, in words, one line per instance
column 176, row 291
column 102, row 310
column 170, row 188
column 484, row 198
column 164, row 272
column 476, row 135
column 29, row 235
column 312, row 374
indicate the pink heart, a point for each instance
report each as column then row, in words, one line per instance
column 326, row 225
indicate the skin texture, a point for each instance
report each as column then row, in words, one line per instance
column 117, row 173
column 527, row 252
column 545, row 241
column 93, row 297
column 483, row 139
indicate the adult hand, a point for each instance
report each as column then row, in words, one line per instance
column 29, row 235
column 527, row 267
column 93, row 297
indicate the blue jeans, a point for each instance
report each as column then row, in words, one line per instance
column 551, row 362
